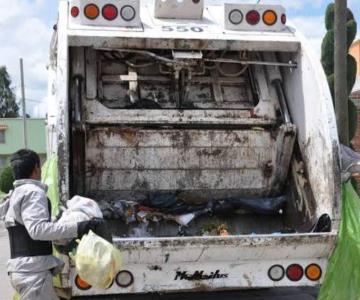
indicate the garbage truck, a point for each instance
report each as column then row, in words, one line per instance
column 174, row 103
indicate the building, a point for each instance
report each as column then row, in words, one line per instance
column 355, row 51
column 11, row 137
column 355, row 97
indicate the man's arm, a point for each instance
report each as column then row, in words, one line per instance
column 4, row 206
column 35, row 215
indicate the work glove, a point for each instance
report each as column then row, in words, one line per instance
column 96, row 225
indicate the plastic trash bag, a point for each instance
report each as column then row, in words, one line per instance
column 342, row 279
column 97, row 261
column 79, row 209
column 85, row 205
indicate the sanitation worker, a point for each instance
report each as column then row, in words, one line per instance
column 27, row 216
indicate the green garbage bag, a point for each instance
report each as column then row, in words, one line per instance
column 342, row 279
column 50, row 178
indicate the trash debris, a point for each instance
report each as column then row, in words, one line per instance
column 140, row 231
column 223, row 230
column 160, row 206
column 97, row 261
column 126, row 210
column 144, row 104
column 107, row 210
column 215, row 229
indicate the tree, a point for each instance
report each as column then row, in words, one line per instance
column 6, row 180
column 327, row 60
column 8, row 106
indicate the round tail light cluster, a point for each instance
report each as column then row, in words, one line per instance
column 295, row 272
column 109, row 12
column 123, row 279
column 253, row 17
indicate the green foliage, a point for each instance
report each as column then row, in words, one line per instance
column 351, row 29
column 351, row 63
column 330, row 16
column 327, row 60
column 327, row 53
column 352, row 119
column 8, row 106
column 351, row 72
column 6, row 180
column 331, row 82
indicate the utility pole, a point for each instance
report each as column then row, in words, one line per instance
column 341, row 96
column 23, row 102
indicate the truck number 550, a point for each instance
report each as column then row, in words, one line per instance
column 182, row 28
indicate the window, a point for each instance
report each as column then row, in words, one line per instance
column 3, row 161
column 2, row 136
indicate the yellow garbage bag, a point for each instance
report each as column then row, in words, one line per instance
column 97, row 261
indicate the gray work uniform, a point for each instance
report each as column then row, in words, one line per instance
column 27, row 205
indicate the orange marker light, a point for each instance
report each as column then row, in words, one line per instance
column 313, row 272
column 269, row 17
column 81, row 284
column 91, row 11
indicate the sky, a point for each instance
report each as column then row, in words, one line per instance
column 26, row 29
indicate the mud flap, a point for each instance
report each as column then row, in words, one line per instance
column 345, row 284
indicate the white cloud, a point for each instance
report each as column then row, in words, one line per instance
column 26, row 36
column 314, row 30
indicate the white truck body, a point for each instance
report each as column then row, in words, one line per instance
column 107, row 151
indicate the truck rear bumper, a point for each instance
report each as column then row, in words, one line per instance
column 215, row 263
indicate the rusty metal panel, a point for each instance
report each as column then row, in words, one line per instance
column 96, row 113
column 240, row 161
column 171, row 264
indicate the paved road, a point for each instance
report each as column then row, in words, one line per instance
column 6, row 291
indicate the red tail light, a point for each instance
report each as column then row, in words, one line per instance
column 294, row 272
column 75, row 11
column 110, row 12
column 253, row 17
